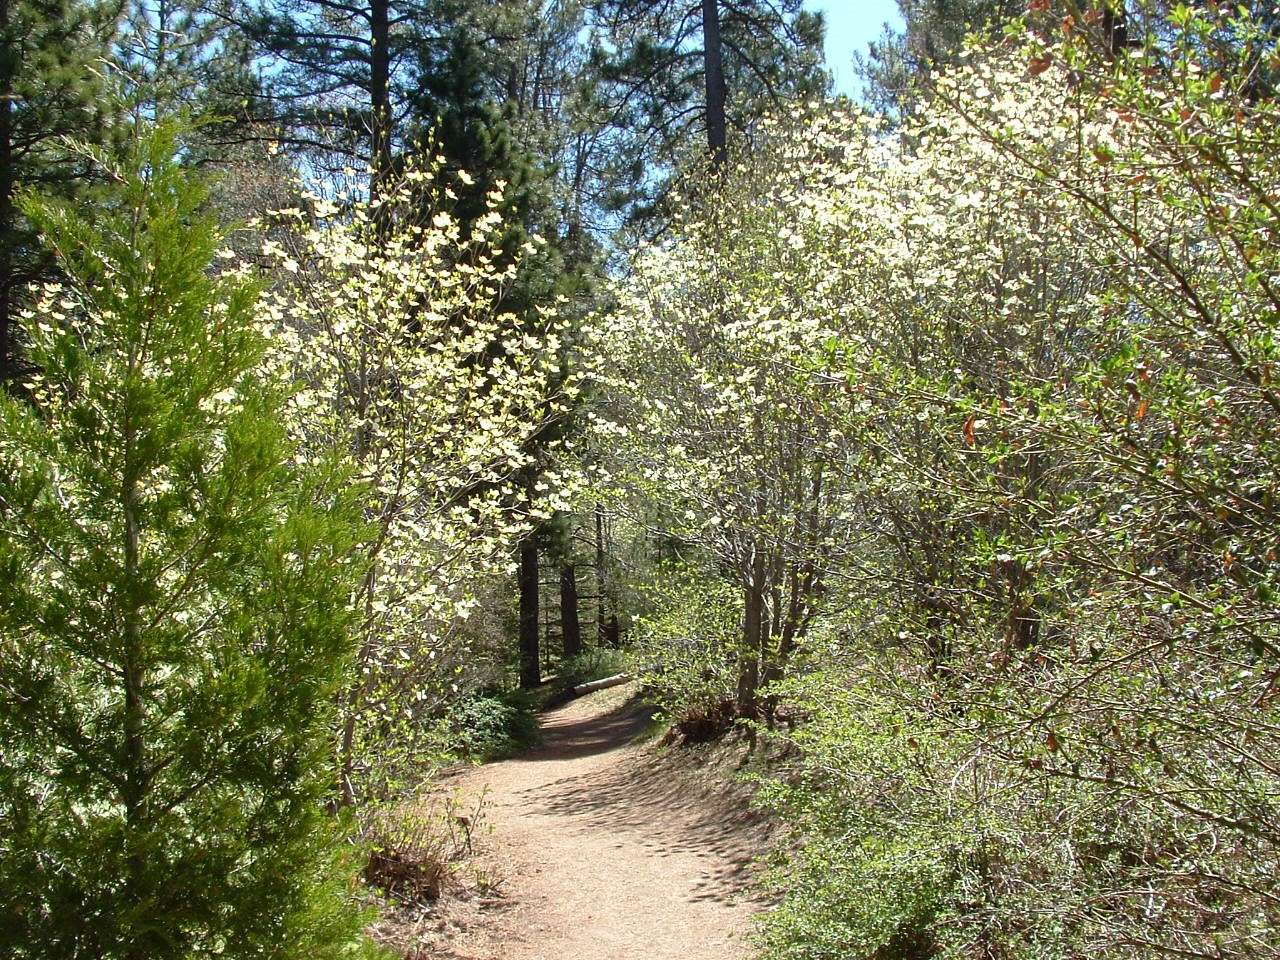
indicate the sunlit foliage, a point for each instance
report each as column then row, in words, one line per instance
column 994, row 396
column 411, row 368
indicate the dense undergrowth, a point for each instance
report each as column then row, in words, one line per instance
column 966, row 432
column 498, row 723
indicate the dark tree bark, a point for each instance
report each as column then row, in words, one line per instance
column 380, row 89
column 755, row 632
column 1115, row 27
column 713, row 69
column 530, row 672
column 6, row 202
column 570, row 628
column 753, row 628
column 601, row 612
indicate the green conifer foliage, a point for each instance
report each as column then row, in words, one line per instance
column 459, row 119
column 52, row 70
column 173, row 609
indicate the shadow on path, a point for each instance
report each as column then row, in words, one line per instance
column 569, row 739
column 654, row 799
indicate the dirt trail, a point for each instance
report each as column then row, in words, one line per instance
column 610, row 851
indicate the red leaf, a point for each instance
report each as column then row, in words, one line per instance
column 969, row 438
column 1039, row 65
column 1141, row 411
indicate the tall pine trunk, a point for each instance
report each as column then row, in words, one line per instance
column 713, row 70
column 530, row 673
column 7, row 214
column 1115, row 28
column 570, row 628
column 380, row 90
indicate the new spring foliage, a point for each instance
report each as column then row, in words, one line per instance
column 173, row 605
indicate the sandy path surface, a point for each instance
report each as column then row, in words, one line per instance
column 610, row 851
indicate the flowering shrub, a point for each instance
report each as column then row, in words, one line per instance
column 410, row 367
column 984, row 409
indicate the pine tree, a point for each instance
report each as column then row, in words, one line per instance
column 52, row 85
column 693, row 70
column 339, row 72
column 454, row 115
column 177, row 57
column 173, row 609
column 932, row 37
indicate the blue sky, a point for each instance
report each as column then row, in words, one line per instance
column 851, row 25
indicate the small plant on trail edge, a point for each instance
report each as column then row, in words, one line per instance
column 415, row 850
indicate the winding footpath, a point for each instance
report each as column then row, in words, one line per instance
column 608, row 850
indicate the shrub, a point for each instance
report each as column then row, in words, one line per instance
column 595, row 663
column 174, row 613
column 686, row 649
column 415, row 848
column 488, row 726
column 882, row 843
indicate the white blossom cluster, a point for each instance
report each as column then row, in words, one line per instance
column 411, row 367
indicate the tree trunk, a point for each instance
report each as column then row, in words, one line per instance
column 530, row 673
column 136, row 790
column 570, row 628
column 7, row 180
column 1115, row 27
column 380, row 91
column 749, row 659
column 574, row 202
column 713, row 69
column 353, row 699
column 602, row 630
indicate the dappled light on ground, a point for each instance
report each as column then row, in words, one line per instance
column 612, row 850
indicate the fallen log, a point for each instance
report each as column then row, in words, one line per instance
column 616, row 680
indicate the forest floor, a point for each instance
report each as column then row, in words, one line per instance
column 601, row 845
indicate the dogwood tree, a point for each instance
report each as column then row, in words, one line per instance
column 1032, row 335
column 719, row 428
column 393, row 324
